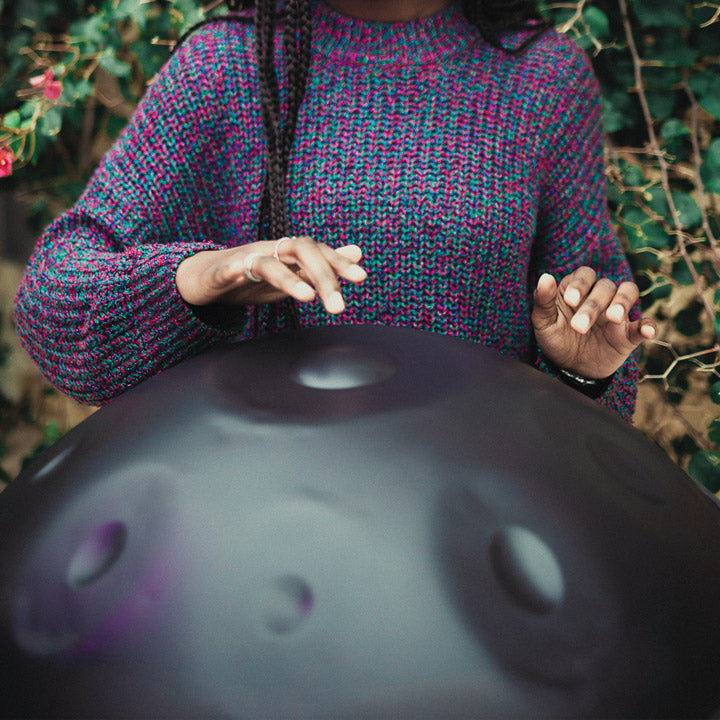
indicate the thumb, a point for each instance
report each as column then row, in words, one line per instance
column 545, row 310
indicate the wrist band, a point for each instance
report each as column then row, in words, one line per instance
column 592, row 387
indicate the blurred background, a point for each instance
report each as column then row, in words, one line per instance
column 73, row 71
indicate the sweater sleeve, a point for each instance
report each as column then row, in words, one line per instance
column 98, row 309
column 574, row 226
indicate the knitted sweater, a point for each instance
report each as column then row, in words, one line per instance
column 461, row 171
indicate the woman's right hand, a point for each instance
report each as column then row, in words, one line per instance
column 297, row 267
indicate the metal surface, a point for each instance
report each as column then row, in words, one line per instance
column 357, row 522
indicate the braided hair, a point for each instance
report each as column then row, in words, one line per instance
column 490, row 17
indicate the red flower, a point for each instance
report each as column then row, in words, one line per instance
column 52, row 89
column 6, row 161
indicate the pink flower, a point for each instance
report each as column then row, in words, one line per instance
column 6, row 161
column 52, row 89
column 42, row 80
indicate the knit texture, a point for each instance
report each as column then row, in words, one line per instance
column 461, row 171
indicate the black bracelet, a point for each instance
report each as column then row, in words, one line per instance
column 592, row 387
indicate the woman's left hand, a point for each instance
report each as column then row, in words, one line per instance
column 582, row 323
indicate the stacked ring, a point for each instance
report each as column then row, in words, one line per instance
column 277, row 247
column 249, row 260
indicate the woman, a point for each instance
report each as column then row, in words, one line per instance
column 458, row 145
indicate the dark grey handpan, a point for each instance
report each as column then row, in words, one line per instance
column 357, row 522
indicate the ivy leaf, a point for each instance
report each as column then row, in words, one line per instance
column 78, row 90
column 660, row 104
column 670, row 49
column 714, row 431
column 642, row 232
column 661, row 13
column 151, row 57
column 706, row 85
column 712, row 156
column 681, row 272
column 672, row 129
column 687, row 321
column 90, row 29
column 688, row 211
column 715, row 392
column 50, row 123
column 704, row 468
column 633, row 177
column 597, row 22
column 12, row 119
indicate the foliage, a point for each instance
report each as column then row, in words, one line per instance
column 658, row 63
column 100, row 56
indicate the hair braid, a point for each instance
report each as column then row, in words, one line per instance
column 297, row 40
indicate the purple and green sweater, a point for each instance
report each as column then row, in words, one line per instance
column 461, row 171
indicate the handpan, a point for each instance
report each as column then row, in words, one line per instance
column 357, row 522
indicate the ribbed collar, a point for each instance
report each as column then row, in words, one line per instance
column 418, row 42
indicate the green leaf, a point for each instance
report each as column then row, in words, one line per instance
column 660, row 103
column 715, row 392
column 673, row 128
column 706, row 85
column 597, row 22
column 642, row 232
column 670, row 49
column 613, row 118
column 716, row 324
column 110, row 63
column 688, row 211
column 687, row 321
column 712, row 156
column 633, row 177
column 661, row 290
column 151, row 57
column 51, row 433
column 704, row 468
column 50, row 123
column 12, row 119
column 657, row 200
column 78, row 90
column 714, row 431
column 661, row 13
column 681, row 272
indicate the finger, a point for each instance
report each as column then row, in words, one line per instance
column 626, row 296
column 596, row 302
column 545, row 311
column 575, row 286
column 352, row 252
column 277, row 274
column 343, row 265
column 307, row 255
column 641, row 330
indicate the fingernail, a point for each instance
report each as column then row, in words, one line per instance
column 572, row 296
column 335, row 303
column 304, row 292
column 581, row 322
column 355, row 272
column 649, row 331
column 616, row 312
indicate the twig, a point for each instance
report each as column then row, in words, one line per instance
column 660, row 155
